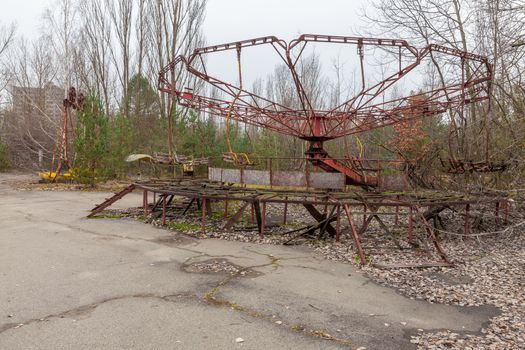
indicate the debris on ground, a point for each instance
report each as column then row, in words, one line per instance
column 489, row 269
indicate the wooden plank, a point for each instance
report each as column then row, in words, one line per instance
column 258, row 216
column 385, row 228
column 209, row 210
column 357, row 240
column 108, row 202
column 412, row 266
column 320, row 218
column 188, row 206
column 236, row 217
column 330, row 218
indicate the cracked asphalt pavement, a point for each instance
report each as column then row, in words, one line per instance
column 67, row 282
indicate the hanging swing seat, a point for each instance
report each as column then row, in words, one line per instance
column 239, row 159
column 165, row 159
column 460, row 166
column 51, row 176
column 360, row 164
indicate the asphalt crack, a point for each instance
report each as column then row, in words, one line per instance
column 78, row 311
column 211, row 298
column 31, row 218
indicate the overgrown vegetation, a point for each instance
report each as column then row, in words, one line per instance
column 130, row 115
column 183, row 227
column 102, row 142
column 91, row 143
column 4, row 157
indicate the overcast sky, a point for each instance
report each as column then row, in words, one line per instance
column 231, row 20
column 227, row 19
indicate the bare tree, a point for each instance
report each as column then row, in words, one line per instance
column 175, row 29
column 121, row 19
column 61, row 31
column 31, row 124
column 95, row 35
column 7, row 37
column 493, row 28
column 141, row 35
column 501, row 29
column 445, row 22
column 103, row 46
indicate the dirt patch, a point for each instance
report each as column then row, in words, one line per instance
column 175, row 240
column 450, row 279
column 219, row 267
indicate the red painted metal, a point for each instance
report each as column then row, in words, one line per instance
column 285, row 214
column 338, row 224
column 410, row 226
column 145, row 202
column 109, row 201
column 506, row 211
column 368, row 109
column 263, row 222
column 225, row 210
column 467, row 219
column 374, row 205
column 61, row 149
column 164, row 199
column 203, row 215
column 355, row 234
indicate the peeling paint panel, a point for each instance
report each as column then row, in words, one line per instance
column 393, row 182
column 224, row 175
column 328, row 181
column 278, row 178
column 289, row 178
column 214, row 174
column 257, row 177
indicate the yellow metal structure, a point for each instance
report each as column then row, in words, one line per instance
column 239, row 159
column 51, row 176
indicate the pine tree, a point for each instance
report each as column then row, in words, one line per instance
column 91, row 143
column 120, row 144
column 4, row 157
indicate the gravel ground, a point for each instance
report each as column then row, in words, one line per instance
column 489, row 269
column 489, row 272
column 213, row 266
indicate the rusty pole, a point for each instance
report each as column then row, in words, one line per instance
column 410, row 226
column 285, row 210
column 397, row 213
column 145, row 202
column 467, row 219
column 263, row 219
column 226, row 209
column 164, row 210
column 357, row 241
column 338, row 224
column 506, row 211
column 497, row 212
column 203, row 208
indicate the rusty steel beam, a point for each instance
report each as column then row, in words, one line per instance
column 349, row 204
column 109, row 201
column 359, row 114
